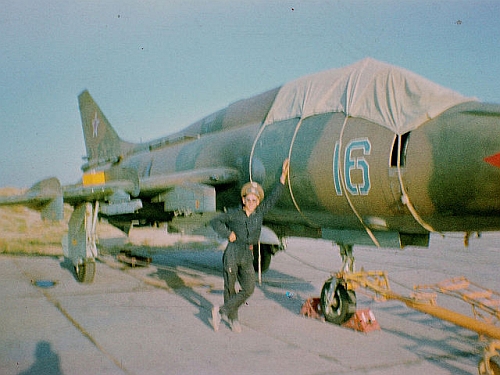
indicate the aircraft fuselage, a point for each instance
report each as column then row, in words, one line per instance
column 345, row 174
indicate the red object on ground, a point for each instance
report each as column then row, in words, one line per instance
column 312, row 308
column 363, row 321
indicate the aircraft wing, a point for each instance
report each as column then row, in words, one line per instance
column 206, row 176
column 97, row 186
column 188, row 192
column 185, row 191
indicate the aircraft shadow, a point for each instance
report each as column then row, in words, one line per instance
column 68, row 265
column 288, row 291
column 277, row 286
column 439, row 351
column 194, row 262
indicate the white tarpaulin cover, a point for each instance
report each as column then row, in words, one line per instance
column 385, row 94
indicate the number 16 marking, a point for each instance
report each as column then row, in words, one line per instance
column 352, row 163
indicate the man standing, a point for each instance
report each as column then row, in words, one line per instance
column 242, row 228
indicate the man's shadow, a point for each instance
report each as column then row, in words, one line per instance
column 177, row 284
column 46, row 361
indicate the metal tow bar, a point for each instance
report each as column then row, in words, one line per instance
column 485, row 305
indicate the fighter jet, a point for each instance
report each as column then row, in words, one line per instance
column 378, row 156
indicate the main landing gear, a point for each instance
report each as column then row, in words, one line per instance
column 338, row 300
column 81, row 246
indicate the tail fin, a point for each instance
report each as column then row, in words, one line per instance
column 101, row 141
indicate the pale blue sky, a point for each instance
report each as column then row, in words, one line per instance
column 155, row 66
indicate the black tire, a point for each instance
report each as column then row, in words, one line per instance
column 265, row 254
column 85, row 271
column 337, row 303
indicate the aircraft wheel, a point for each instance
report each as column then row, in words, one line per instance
column 494, row 366
column 85, row 271
column 337, row 303
column 265, row 254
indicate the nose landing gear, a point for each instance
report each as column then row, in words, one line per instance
column 338, row 303
column 338, row 300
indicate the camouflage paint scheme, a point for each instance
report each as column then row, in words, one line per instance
column 352, row 181
column 450, row 185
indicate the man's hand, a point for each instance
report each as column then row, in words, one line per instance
column 232, row 237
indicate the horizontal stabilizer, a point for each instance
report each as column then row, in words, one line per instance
column 45, row 196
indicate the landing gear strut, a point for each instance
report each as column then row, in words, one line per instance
column 265, row 258
column 338, row 302
column 81, row 247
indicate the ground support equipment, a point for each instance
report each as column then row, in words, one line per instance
column 485, row 306
column 362, row 321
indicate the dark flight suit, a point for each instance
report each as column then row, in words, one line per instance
column 238, row 256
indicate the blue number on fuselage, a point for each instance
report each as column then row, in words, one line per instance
column 351, row 163
column 336, row 170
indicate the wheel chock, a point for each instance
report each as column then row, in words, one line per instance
column 312, row 308
column 362, row 321
column 133, row 260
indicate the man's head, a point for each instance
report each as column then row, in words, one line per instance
column 251, row 195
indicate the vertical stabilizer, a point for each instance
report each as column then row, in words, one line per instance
column 101, row 141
